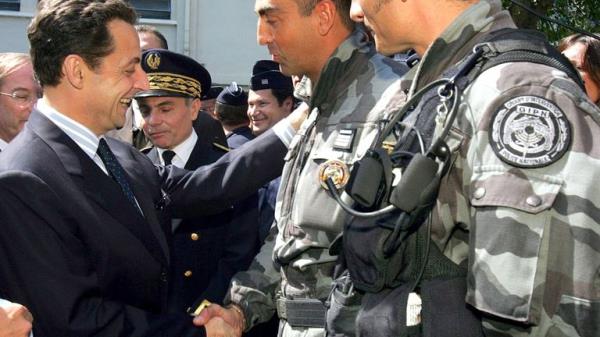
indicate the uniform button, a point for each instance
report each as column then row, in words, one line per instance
column 187, row 273
column 533, row 201
column 195, row 236
column 479, row 193
column 163, row 276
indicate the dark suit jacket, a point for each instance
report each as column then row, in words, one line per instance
column 79, row 256
column 206, row 251
column 267, row 199
column 239, row 137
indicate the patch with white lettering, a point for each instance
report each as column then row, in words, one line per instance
column 529, row 132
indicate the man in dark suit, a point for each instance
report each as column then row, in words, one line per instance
column 83, row 218
column 208, row 250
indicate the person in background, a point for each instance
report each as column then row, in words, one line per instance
column 231, row 109
column 584, row 52
column 270, row 99
column 209, row 100
column 209, row 130
column 271, row 96
column 206, row 251
column 207, row 123
column 19, row 91
column 151, row 38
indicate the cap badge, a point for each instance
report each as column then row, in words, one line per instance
column 153, row 61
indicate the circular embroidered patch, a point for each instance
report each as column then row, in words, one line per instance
column 529, row 132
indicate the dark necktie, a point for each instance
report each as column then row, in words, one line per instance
column 116, row 171
column 167, row 156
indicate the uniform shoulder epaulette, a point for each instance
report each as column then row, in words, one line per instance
column 221, row 147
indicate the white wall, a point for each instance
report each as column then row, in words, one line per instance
column 220, row 34
column 224, row 39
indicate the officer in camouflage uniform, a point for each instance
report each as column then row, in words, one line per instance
column 519, row 207
column 294, row 268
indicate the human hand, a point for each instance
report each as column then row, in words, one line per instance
column 232, row 317
column 217, row 327
column 15, row 320
column 298, row 116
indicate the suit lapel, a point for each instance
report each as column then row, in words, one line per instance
column 143, row 194
column 153, row 155
column 98, row 186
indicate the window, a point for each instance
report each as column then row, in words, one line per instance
column 152, row 9
column 10, row 5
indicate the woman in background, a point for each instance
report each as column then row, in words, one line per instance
column 584, row 52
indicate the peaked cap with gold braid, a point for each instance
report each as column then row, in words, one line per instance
column 173, row 74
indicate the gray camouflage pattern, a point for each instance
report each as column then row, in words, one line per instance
column 530, row 236
column 347, row 96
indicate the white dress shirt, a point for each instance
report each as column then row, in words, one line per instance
column 183, row 151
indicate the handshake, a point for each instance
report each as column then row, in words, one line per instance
column 219, row 321
column 15, row 320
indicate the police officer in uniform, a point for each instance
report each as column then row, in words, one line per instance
column 292, row 274
column 270, row 98
column 206, row 251
column 231, row 110
column 516, row 214
column 209, row 100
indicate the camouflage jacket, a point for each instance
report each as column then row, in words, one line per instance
column 346, row 112
column 519, row 205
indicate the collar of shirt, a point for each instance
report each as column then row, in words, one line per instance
column 183, row 151
column 2, row 144
column 81, row 135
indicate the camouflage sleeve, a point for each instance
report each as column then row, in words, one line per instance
column 530, row 173
column 254, row 290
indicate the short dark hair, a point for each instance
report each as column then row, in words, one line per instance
column 153, row 30
column 343, row 8
column 591, row 59
column 282, row 94
column 231, row 115
column 65, row 27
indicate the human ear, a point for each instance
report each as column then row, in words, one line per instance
column 73, row 69
column 326, row 15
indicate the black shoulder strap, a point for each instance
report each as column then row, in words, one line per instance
column 521, row 45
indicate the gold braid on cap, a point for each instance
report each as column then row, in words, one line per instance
column 176, row 83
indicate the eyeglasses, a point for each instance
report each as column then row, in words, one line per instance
column 23, row 97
